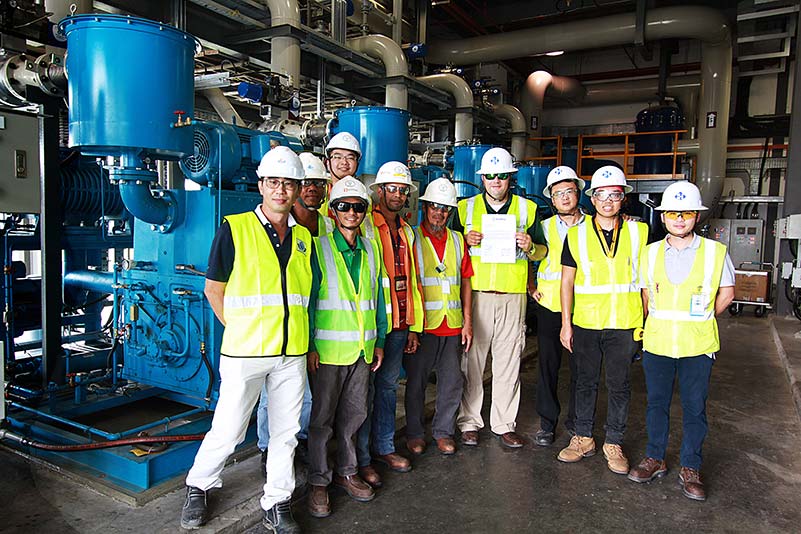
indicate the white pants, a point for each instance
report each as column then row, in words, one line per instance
column 241, row 381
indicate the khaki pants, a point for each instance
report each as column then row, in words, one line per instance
column 498, row 325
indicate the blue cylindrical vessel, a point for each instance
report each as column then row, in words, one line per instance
column 127, row 78
column 533, row 180
column 466, row 161
column 383, row 134
column 656, row 119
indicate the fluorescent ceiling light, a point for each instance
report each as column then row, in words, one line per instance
column 555, row 53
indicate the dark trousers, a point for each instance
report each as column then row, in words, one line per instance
column 339, row 405
column 693, row 374
column 549, row 353
column 615, row 349
column 443, row 354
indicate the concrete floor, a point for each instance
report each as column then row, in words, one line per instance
column 752, row 470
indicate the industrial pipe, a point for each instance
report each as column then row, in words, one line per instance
column 463, row 96
column 139, row 200
column 96, row 281
column 285, row 51
column 391, row 55
column 139, row 440
column 533, row 99
column 222, row 106
column 519, row 130
column 708, row 25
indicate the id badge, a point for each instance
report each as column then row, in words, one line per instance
column 446, row 287
column 698, row 303
column 400, row 283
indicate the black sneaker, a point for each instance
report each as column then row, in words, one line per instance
column 264, row 464
column 544, row 438
column 279, row 520
column 193, row 514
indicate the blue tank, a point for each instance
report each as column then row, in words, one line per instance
column 532, row 181
column 466, row 161
column 127, row 79
column 656, row 119
column 383, row 134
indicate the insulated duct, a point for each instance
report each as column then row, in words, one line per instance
column 285, row 51
column 519, row 131
column 537, row 83
column 463, row 96
column 681, row 22
column 222, row 106
column 391, row 55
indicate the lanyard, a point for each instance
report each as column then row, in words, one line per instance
column 441, row 267
column 609, row 249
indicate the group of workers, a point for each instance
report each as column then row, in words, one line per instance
column 323, row 301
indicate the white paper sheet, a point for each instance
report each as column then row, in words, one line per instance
column 498, row 244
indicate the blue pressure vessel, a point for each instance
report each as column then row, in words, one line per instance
column 383, row 134
column 656, row 119
column 128, row 77
column 466, row 161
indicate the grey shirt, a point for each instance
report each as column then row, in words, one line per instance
column 678, row 264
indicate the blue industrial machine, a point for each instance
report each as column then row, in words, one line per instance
column 383, row 134
column 466, row 161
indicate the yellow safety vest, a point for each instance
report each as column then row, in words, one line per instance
column 503, row 277
column 344, row 319
column 549, row 273
column 255, row 301
column 681, row 318
column 440, row 305
column 325, row 225
column 606, row 290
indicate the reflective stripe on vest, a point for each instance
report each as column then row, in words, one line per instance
column 325, row 225
column 549, row 273
column 438, row 305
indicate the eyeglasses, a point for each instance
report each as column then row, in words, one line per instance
column 343, row 207
column 275, row 183
column 439, row 207
column 685, row 215
column 309, row 182
column 564, row 193
column 350, row 158
column 603, row 196
column 499, row 176
column 392, row 188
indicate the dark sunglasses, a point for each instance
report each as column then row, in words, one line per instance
column 499, row 176
column 309, row 182
column 343, row 207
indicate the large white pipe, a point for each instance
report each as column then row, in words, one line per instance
column 463, row 96
column 285, row 51
column 680, row 22
column 537, row 84
column 391, row 55
column 519, row 130
column 222, row 106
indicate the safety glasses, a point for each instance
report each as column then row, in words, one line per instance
column 603, row 196
column 500, row 176
column 439, row 207
column 309, row 182
column 564, row 193
column 343, row 207
column 392, row 188
column 685, row 215
column 275, row 183
column 350, row 158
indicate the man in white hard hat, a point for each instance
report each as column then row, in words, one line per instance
column 257, row 288
column 564, row 188
column 395, row 237
column 601, row 308
column 306, row 211
column 444, row 270
column 499, row 301
column 349, row 324
column 686, row 281
column 342, row 155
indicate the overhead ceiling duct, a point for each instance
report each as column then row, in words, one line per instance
column 537, row 83
column 681, row 22
column 519, row 130
column 463, row 96
column 391, row 55
column 285, row 51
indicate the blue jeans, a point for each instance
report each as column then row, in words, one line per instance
column 381, row 402
column 693, row 374
column 263, row 424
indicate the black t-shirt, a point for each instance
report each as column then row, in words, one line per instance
column 221, row 256
column 567, row 256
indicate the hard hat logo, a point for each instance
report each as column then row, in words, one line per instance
column 680, row 196
column 606, row 174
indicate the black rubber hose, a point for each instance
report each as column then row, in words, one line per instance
column 99, row 444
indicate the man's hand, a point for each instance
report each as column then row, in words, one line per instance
column 312, row 362
column 412, row 343
column 467, row 335
column 378, row 357
column 523, row 241
column 536, row 295
column 473, row 238
column 566, row 336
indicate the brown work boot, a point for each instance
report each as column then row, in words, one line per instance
column 371, row 476
column 511, row 440
column 579, row 447
column 690, row 480
column 358, row 489
column 318, row 502
column 446, row 446
column 395, row 461
column 615, row 459
column 416, row 445
column 647, row 470
column 470, row 438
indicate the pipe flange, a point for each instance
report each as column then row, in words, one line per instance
column 12, row 91
column 51, row 76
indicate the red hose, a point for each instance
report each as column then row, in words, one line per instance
column 101, row 444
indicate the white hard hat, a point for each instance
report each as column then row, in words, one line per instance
column 440, row 191
column 348, row 187
column 681, row 196
column 280, row 162
column 606, row 176
column 345, row 141
column 393, row 172
column 496, row 161
column 560, row 174
column 313, row 167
